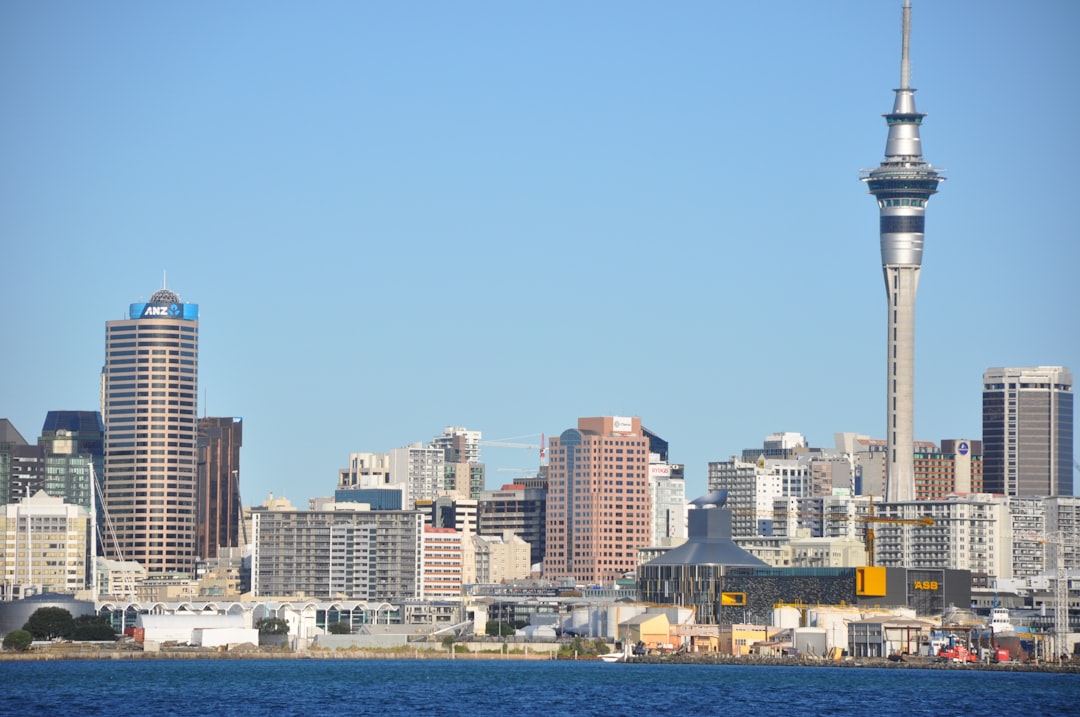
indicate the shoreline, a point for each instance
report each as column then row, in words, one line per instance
column 115, row 654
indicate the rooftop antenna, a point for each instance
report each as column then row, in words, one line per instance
column 905, row 62
column 164, row 284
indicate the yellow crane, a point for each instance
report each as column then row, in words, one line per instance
column 870, row 518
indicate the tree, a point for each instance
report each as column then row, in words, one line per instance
column 272, row 626
column 49, row 623
column 498, row 628
column 92, row 628
column 339, row 628
column 18, row 640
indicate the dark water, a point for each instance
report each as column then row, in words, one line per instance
column 315, row 688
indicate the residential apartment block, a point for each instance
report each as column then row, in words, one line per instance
column 362, row 554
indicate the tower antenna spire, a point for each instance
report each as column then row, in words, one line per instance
column 905, row 59
column 902, row 185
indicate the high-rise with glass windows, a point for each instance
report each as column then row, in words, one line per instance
column 149, row 389
column 1028, row 431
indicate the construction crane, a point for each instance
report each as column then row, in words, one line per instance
column 1056, row 538
column 509, row 443
column 870, row 518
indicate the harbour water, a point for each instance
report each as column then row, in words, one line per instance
column 314, row 688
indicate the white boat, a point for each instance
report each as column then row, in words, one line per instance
column 622, row 656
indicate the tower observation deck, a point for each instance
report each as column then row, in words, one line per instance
column 902, row 184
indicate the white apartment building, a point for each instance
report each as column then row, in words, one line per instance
column 968, row 533
column 44, row 547
column 753, row 488
column 362, row 554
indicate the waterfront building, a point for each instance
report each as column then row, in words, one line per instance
column 1028, row 431
column 44, row 547
column 362, row 554
column 519, row 510
column 218, row 486
column 902, row 185
column 149, row 406
column 725, row 584
column 598, row 512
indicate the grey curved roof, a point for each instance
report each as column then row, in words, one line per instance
column 164, row 296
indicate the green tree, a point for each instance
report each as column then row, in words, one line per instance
column 272, row 626
column 448, row 642
column 18, row 640
column 498, row 628
column 339, row 628
column 49, row 623
column 92, row 628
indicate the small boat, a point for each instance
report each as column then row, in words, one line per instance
column 622, row 655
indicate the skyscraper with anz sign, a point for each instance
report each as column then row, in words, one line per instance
column 149, row 390
column 902, row 184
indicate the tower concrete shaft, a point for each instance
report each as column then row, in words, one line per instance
column 902, row 184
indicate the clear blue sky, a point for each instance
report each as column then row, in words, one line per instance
column 401, row 216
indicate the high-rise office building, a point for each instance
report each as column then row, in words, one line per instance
column 72, row 442
column 902, row 185
column 1028, row 431
column 149, row 389
column 598, row 511
column 218, row 487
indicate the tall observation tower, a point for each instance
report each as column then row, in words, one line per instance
column 902, row 184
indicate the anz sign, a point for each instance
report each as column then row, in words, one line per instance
column 164, row 311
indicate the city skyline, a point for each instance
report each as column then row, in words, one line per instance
column 506, row 219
